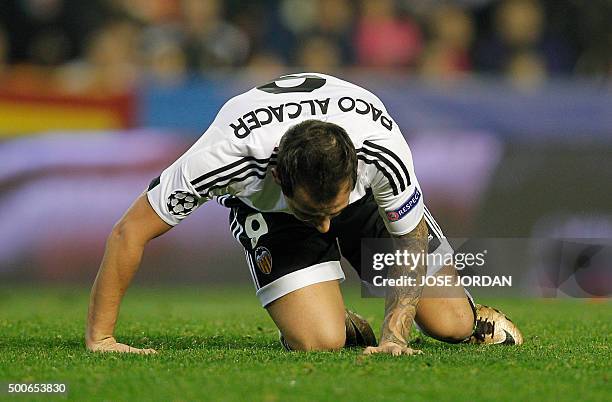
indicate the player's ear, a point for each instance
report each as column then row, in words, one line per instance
column 275, row 175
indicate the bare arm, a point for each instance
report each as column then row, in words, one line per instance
column 124, row 249
column 401, row 301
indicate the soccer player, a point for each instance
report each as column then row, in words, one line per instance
column 308, row 165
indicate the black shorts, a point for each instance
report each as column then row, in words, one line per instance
column 285, row 254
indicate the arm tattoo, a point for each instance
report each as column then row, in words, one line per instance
column 401, row 301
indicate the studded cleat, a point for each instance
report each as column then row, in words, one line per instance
column 358, row 331
column 494, row 328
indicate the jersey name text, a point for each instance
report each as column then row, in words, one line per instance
column 257, row 118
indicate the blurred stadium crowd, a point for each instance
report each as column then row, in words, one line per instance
column 109, row 44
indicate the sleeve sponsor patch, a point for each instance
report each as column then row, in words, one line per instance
column 402, row 211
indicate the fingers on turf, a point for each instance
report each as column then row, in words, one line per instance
column 131, row 349
column 392, row 350
column 122, row 348
column 409, row 351
column 370, row 350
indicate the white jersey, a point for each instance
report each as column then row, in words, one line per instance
column 235, row 155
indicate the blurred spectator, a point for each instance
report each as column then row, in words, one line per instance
column 49, row 32
column 448, row 49
column 253, row 19
column 146, row 11
column 384, row 39
column 111, row 61
column 163, row 55
column 334, row 23
column 38, row 31
column 169, row 39
column 520, row 22
column 334, row 17
column 526, row 70
column 266, row 65
column 211, row 41
column 319, row 54
column 519, row 29
column 298, row 16
column 323, row 24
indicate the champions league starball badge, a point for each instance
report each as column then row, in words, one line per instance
column 181, row 203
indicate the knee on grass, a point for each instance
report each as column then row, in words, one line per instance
column 454, row 327
column 455, row 332
column 322, row 341
column 450, row 325
column 449, row 321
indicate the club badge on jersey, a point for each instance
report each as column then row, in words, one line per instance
column 263, row 259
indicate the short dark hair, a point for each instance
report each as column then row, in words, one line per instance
column 318, row 156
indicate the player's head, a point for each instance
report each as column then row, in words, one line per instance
column 316, row 170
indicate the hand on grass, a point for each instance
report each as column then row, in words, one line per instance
column 111, row 345
column 391, row 348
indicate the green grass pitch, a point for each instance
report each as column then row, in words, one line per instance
column 218, row 344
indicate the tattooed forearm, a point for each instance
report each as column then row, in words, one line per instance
column 401, row 301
